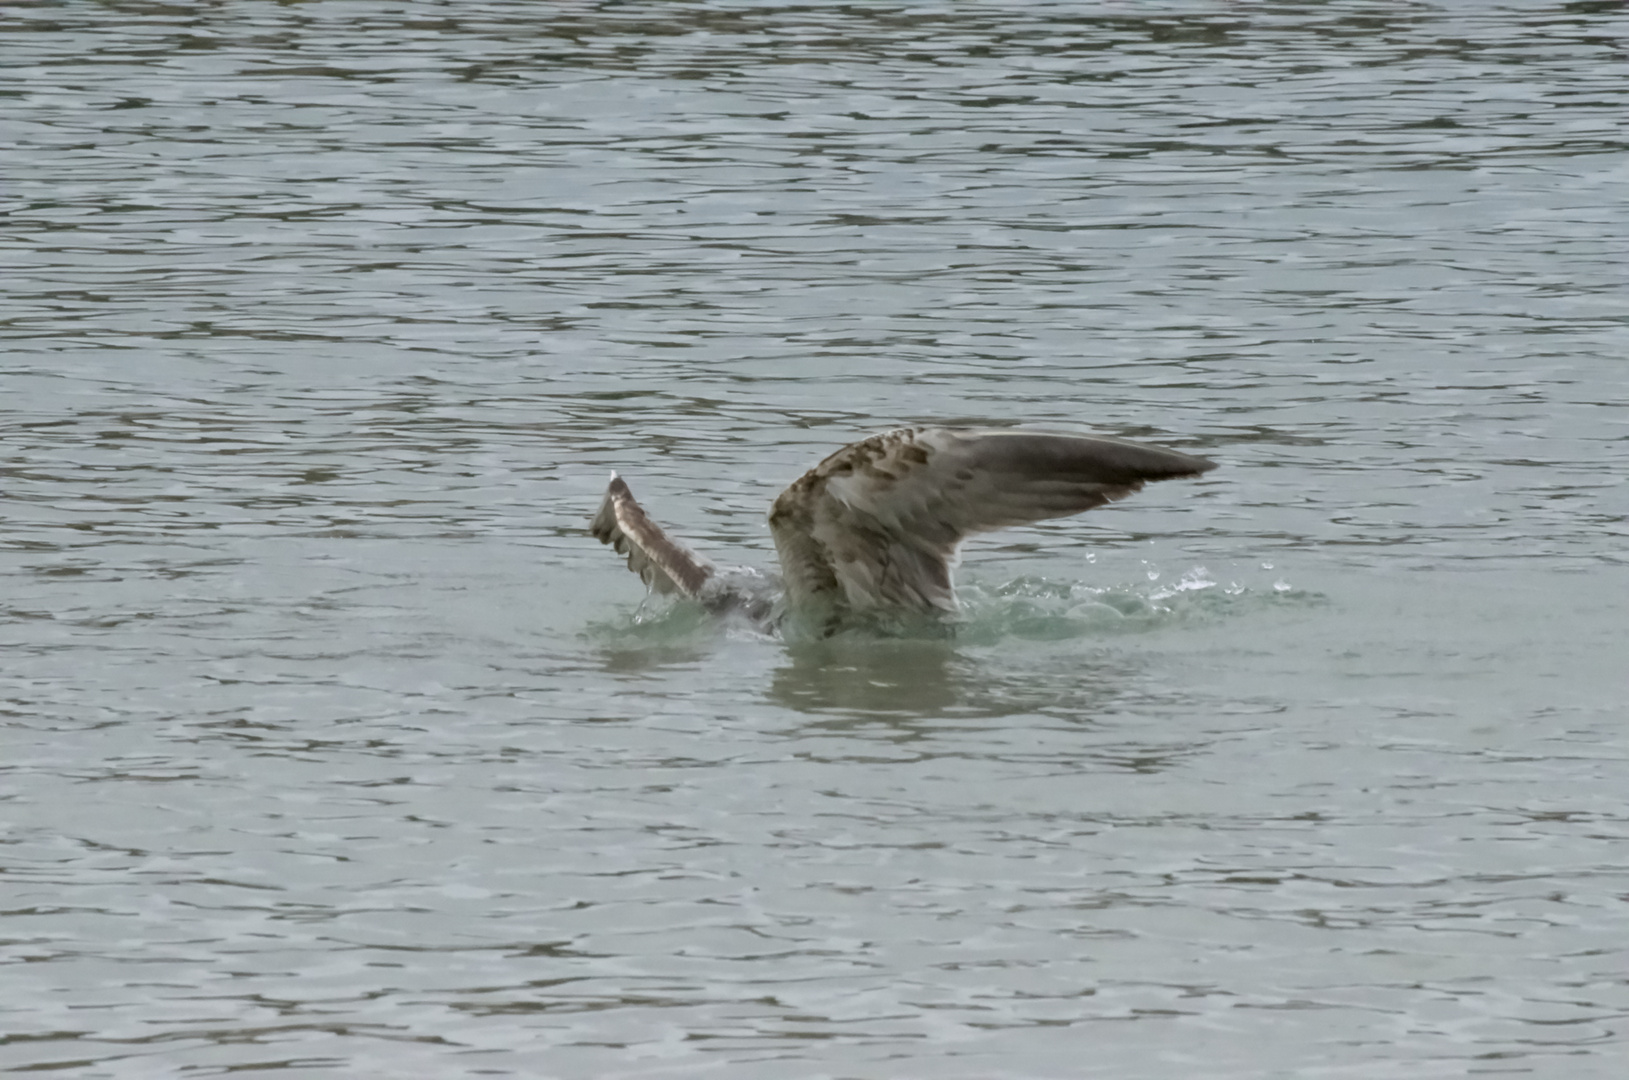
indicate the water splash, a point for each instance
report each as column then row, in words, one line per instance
column 1045, row 609
column 1029, row 608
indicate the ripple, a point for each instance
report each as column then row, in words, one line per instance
column 334, row 744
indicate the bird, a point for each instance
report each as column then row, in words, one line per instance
column 874, row 530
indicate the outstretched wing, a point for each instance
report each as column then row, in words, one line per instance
column 877, row 524
column 663, row 563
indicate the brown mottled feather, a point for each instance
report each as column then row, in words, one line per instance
column 877, row 524
column 663, row 563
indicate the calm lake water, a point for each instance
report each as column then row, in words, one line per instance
column 334, row 746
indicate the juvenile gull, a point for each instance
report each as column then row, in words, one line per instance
column 875, row 528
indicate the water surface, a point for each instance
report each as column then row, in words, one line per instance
column 333, row 745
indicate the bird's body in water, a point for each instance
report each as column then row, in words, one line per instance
column 872, row 532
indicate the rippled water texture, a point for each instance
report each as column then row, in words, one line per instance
column 332, row 744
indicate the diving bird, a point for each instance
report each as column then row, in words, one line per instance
column 874, row 529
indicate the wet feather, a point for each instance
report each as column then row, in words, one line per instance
column 876, row 526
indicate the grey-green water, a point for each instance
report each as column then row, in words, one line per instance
column 333, row 746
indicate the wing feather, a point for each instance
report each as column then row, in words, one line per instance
column 663, row 563
column 878, row 523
